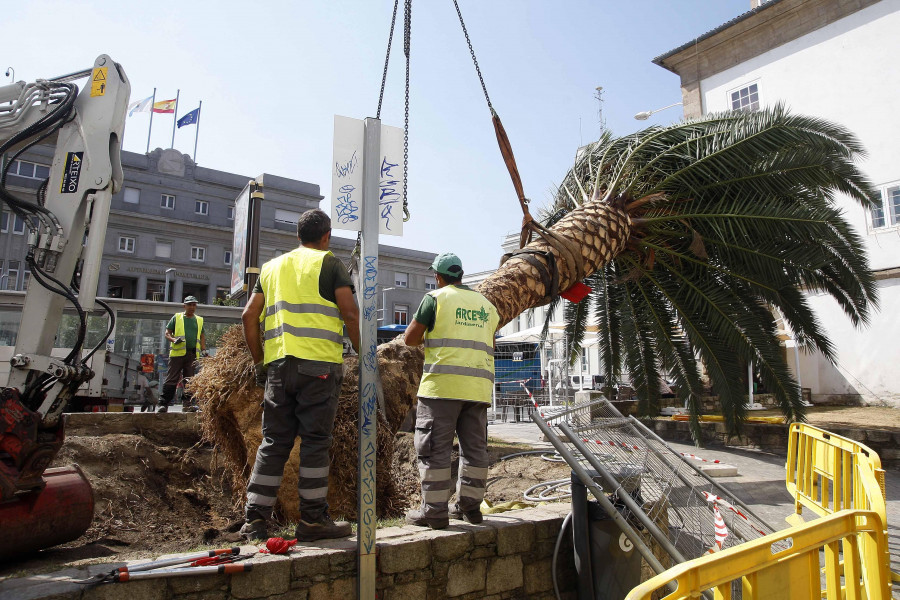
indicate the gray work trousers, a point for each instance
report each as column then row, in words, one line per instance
column 301, row 399
column 436, row 422
column 179, row 366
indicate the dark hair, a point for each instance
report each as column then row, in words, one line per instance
column 312, row 225
column 452, row 279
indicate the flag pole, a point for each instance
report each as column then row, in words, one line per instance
column 150, row 128
column 175, row 120
column 197, row 131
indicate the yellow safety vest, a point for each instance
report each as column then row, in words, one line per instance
column 181, row 349
column 459, row 351
column 297, row 321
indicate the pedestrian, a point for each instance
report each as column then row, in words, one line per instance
column 185, row 334
column 148, row 400
column 457, row 325
column 303, row 299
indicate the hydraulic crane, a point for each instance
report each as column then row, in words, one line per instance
column 66, row 225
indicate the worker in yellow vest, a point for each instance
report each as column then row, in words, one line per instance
column 185, row 334
column 457, row 325
column 303, row 299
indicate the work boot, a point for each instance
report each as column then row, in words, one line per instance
column 255, row 530
column 472, row 516
column 163, row 409
column 325, row 529
column 415, row 517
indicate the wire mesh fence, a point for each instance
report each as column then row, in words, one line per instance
column 681, row 512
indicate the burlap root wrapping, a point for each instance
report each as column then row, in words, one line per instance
column 232, row 412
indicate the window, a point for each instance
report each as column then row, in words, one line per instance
column 201, row 207
column 585, row 363
column 31, row 170
column 888, row 213
column 132, row 195
column 430, row 285
column 746, row 99
column 164, row 249
column 12, row 275
column 26, row 278
column 198, row 254
column 231, row 213
column 4, row 222
column 18, row 225
column 401, row 314
column 167, row 201
column 126, row 244
column 401, row 280
column 228, row 257
column 529, row 319
column 286, row 217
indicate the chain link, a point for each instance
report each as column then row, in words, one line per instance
column 474, row 60
column 407, row 30
column 387, row 58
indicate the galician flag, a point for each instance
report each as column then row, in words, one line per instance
column 164, row 106
column 190, row 118
column 140, row 106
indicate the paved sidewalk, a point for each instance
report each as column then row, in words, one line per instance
column 760, row 481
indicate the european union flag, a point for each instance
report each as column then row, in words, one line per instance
column 190, row 118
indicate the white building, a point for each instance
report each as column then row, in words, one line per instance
column 835, row 59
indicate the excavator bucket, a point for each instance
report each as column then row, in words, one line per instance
column 60, row 512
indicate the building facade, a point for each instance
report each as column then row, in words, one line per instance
column 834, row 59
column 174, row 221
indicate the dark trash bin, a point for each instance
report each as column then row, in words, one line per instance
column 606, row 561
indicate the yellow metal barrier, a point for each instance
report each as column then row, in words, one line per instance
column 794, row 572
column 827, row 473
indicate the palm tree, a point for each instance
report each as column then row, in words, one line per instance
column 690, row 235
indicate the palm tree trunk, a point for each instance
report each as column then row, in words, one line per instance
column 598, row 229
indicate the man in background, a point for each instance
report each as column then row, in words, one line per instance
column 185, row 334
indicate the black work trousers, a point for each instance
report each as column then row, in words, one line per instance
column 301, row 399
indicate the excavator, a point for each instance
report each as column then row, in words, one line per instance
column 66, row 222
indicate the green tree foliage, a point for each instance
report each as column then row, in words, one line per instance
column 734, row 216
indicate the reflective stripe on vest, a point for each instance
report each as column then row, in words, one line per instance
column 459, row 351
column 297, row 321
column 181, row 349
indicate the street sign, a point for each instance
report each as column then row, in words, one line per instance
column 347, row 177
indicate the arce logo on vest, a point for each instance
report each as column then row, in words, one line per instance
column 472, row 318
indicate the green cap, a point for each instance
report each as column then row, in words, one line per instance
column 190, row 300
column 447, row 264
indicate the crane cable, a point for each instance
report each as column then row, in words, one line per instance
column 568, row 250
column 407, row 28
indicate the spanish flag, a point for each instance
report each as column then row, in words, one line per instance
column 164, row 106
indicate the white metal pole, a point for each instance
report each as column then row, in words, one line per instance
column 197, row 130
column 750, row 382
column 150, row 126
column 175, row 115
column 368, row 363
column 797, row 363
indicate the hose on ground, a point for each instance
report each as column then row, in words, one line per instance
column 562, row 530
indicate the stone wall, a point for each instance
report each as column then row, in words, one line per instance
column 506, row 557
column 774, row 437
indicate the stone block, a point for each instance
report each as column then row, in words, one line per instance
column 308, row 565
column 483, row 552
column 396, row 556
column 340, row 588
column 547, row 528
column 270, row 576
column 290, row 595
column 719, row 470
column 188, row 585
column 515, row 538
column 466, row 577
column 451, row 545
column 878, row 436
column 151, row 589
column 208, row 595
column 890, row 454
column 484, row 535
column 504, row 574
column 421, row 575
column 34, row 587
column 343, row 561
column 408, row 591
column 538, row 578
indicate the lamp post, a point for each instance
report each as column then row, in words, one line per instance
column 11, row 73
column 644, row 115
column 384, row 304
column 166, row 291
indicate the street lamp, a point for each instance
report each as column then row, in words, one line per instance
column 13, row 76
column 384, row 304
column 644, row 115
column 166, row 291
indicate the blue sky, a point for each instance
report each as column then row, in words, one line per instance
column 272, row 74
